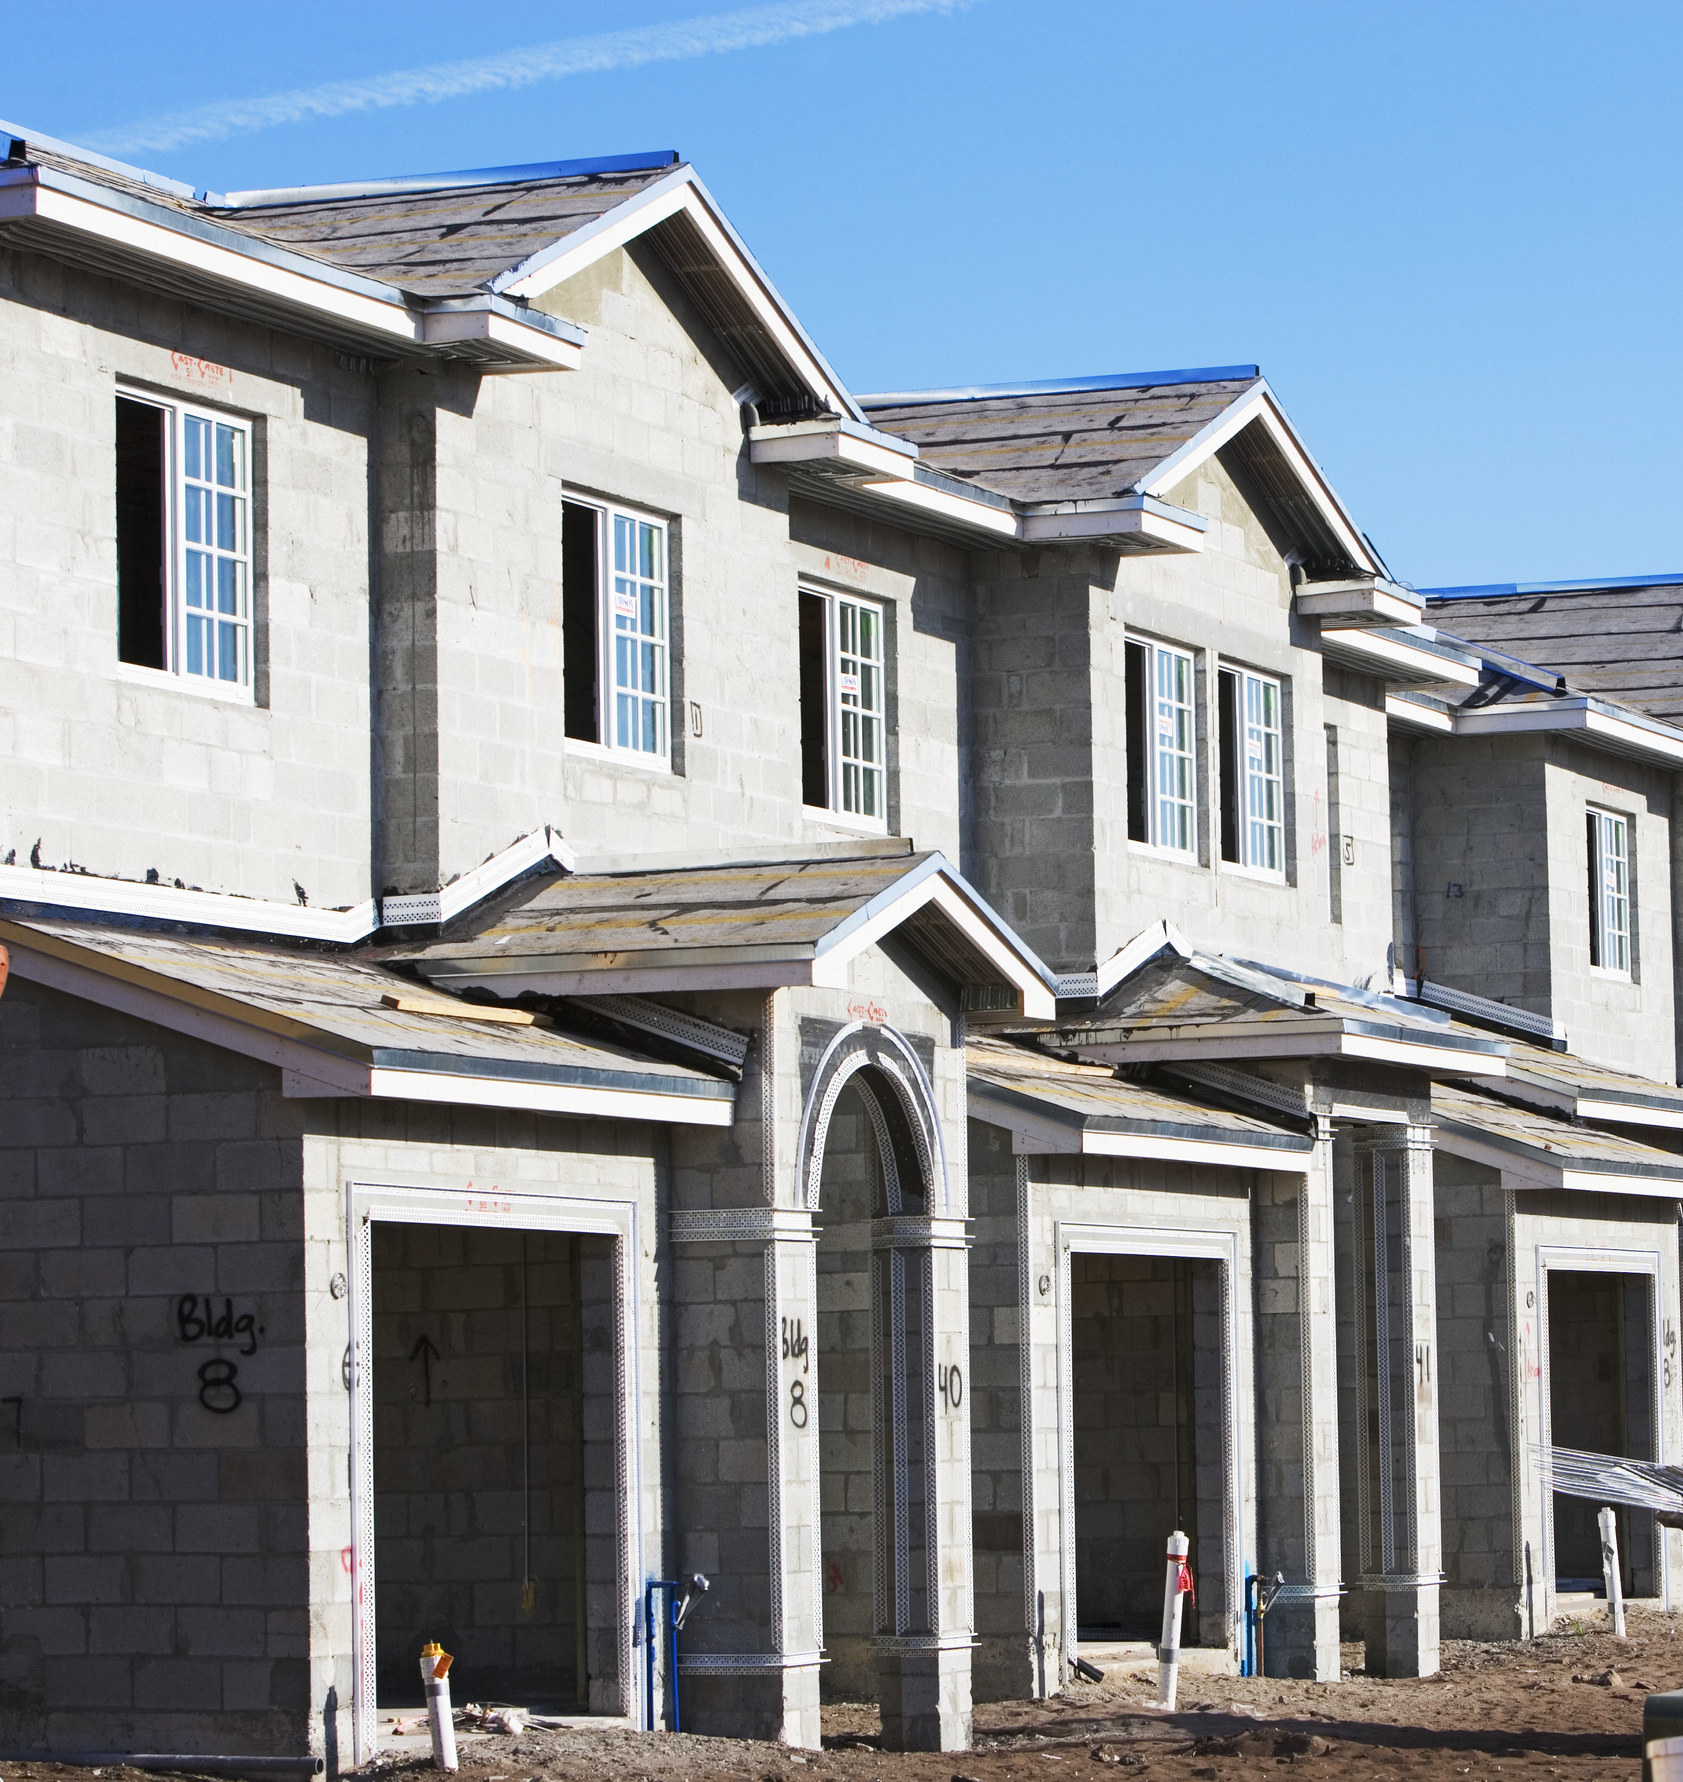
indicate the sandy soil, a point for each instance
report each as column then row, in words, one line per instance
column 1568, row 1706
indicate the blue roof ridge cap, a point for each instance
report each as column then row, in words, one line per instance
column 1508, row 590
column 522, row 173
column 175, row 187
column 1124, row 380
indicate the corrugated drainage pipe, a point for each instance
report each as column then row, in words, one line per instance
column 190, row 1764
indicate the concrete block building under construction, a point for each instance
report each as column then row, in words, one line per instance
column 622, row 962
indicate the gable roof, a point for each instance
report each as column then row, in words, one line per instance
column 331, row 1023
column 448, row 264
column 1622, row 639
column 737, row 927
column 1098, row 440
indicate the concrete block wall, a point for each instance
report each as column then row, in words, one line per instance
column 175, row 1542
column 1630, row 1023
column 125, row 771
column 1484, row 915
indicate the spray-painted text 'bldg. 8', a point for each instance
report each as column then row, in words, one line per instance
column 624, row 963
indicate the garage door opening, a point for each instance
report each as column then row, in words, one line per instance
column 493, row 1381
column 1601, row 1397
column 1146, row 1370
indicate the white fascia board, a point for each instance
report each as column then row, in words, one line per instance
column 1595, row 1181
column 836, row 441
column 998, row 522
column 1171, row 528
column 680, row 191
column 1258, row 404
column 1516, row 1169
column 1622, row 735
column 1402, row 710
column 1628, row 1113
column 1160, row 937
column 208, row 909
column 178, row 248
column 1278, row 1043
column 549, row 1098
column 1179, row 1150
column 1375, row 602
column 541, row 350
column 839, row 948
column 445, row 904
column 1395, row 658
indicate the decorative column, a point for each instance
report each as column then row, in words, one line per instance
column 1297, row 1413
column 1396, row 1322
column 920, row 1371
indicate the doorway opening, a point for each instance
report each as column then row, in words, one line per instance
column 1146, row 1371
column 1601, row 1398
column 493, row 1386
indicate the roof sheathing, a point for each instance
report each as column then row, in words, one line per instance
column 1624, row 643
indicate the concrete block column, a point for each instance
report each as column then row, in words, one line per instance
column 1396, row 1301
column 925, row 1615
column 1297, row 1413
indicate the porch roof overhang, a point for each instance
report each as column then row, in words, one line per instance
column 748, row 925
column 335, row 1025
column 1050, row 1106
column 1163, row 1000
column 1559, row 1083
column 1533, row 1149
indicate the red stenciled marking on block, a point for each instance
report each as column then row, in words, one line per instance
column 868, row 1011
column 347, row 1558
column 490, row 1206
column 852, row 565
column 201, row 371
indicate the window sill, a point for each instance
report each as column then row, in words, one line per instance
column 1609, row 975
column 163, row 681
column 841, row 820
column 1260, row 875
column 1171, row 856
column 610, row 757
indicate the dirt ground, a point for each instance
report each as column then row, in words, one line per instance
column 1567, row 1706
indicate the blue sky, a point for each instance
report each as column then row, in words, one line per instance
column 1447, row 232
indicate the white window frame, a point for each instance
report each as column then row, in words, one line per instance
column 1171, row 748
column 611, row 517
column 1611, row 909
column 1261, row 755
column 856, row 705
column 181, row 492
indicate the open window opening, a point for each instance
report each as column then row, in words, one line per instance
column 1162, row 747
column 1146, row 1370
column 1609, row 892
column 844, row 730
column 1253, row 792
column 184, row 559
column 1601, row 1398
column 615, row 616
column 493, row 1465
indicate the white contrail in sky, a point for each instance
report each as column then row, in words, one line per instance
column 752, row 28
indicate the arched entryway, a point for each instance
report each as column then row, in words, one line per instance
column 889, row 1360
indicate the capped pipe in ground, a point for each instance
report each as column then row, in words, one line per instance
column 435, row 1679
column 1176, row 1584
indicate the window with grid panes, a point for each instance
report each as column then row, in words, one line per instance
column 1609, row 888
column 1162, row 747
column 1251, row 712
column 184, row 541
column 616, row 629
column 844, row 742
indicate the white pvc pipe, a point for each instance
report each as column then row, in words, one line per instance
column 435, row 1679
column 1174, row 1588
column 1610, row 1572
